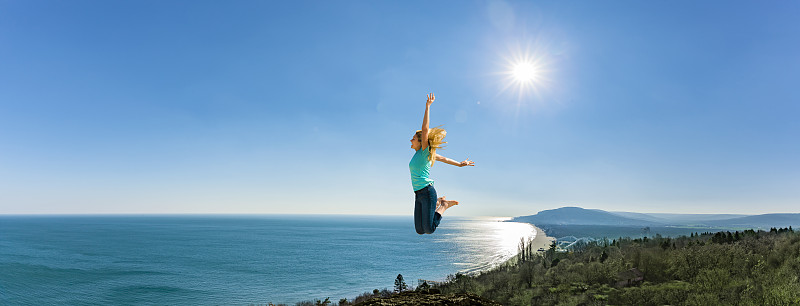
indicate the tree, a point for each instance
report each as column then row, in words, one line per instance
column 400, row 284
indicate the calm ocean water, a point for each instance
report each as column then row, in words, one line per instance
column 211, row 260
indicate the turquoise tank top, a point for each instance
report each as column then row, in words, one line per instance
column 420, row 169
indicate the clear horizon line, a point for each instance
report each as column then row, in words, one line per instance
column 214, row 214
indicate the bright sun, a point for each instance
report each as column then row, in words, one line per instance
column 524, row 72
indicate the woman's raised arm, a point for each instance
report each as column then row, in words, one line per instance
column 424, row 131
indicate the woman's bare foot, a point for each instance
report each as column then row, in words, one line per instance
column 442, row 200
column 444, row 205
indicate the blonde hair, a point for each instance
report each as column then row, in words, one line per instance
column 435, row 141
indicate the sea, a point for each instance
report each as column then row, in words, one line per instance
column 235, row 259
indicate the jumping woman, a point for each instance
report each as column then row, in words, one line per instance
column 428, row 209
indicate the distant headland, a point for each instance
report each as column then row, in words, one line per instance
column 582, row 216
column 575, row 225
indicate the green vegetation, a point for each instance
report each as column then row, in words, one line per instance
column 744, row 268
column 400, row 284
column 747, row 268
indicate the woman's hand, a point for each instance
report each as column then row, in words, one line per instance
column 466, row 163
column 431, row 97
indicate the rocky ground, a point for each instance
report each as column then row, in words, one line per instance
column 426, row 298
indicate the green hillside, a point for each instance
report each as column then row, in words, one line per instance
column 743, row 268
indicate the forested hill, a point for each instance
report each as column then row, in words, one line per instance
column 581, row 216
column 722, row 268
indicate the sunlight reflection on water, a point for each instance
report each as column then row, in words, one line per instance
column 496, row 242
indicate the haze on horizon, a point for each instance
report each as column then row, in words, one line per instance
column 262, row 107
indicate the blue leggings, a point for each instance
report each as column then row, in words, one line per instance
column 426, row 219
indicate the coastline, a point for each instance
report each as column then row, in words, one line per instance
column 541, row 241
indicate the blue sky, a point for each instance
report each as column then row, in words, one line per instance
column 308, row 106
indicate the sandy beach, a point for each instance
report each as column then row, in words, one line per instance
column 541, row 241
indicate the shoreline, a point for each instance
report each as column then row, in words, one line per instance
column 541, row 241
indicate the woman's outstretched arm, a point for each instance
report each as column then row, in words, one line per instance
column 424, row 131
column 453, row 162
